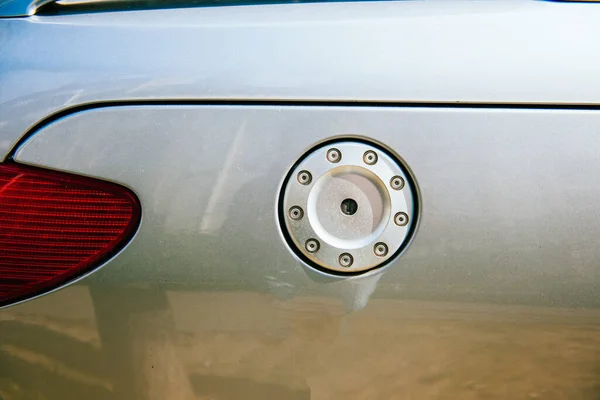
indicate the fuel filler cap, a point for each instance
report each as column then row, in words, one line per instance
column 348, row 206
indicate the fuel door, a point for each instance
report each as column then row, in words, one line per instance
column 348, row 206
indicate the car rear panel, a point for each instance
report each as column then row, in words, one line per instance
column 202, row 112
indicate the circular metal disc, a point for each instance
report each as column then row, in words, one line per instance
column 348, row 207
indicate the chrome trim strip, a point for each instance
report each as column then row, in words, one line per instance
column 20, row 8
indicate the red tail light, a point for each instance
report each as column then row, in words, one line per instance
column 55, row 227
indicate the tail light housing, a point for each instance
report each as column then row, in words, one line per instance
column 55, row 227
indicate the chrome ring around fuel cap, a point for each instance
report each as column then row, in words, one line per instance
column 348, row 206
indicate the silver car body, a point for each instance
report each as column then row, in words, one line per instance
column 493, row 105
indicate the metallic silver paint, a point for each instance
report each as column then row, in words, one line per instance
column 498, row 295
column 501, row 218
column 505, row 51
column 207, row 299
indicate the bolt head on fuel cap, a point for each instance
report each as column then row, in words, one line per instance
column 350, row 206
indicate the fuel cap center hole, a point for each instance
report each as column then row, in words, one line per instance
column 349, row 206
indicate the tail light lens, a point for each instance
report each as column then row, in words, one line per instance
column 55, row 227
